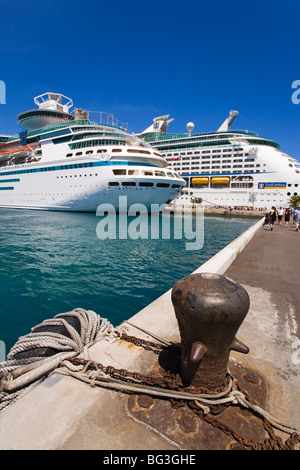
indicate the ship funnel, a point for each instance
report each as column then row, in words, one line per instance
column 160, row 124
column 228, row 121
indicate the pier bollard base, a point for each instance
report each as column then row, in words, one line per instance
column 227, row 428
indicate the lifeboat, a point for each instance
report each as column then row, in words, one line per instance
column 4, row 156
column 220, row 180
column 22, row 152
column 202, row 180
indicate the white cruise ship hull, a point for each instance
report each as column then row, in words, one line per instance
column 64, row 187
column 73, row 164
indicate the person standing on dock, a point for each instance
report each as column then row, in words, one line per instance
column 297, row 218
column 287, row 215
column 272, row 217
column 279, row 214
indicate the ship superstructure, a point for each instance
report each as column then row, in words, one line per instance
column 227, row 167
column 63, row 161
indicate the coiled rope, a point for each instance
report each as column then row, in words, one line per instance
column 13, row 382
column 95, row 328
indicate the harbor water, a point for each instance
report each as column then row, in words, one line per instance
column 53, row 262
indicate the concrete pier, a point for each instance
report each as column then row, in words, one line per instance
column 65, row 413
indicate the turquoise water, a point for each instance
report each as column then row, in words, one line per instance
column 53, row 262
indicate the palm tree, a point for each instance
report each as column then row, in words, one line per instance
column 295, row 201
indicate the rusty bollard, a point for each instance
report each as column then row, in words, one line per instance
column 209, row 309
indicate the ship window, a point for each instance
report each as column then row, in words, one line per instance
column 159, row 173
column 147, row 173
column 138, row 151
column 147, row 184
column 162, row 185
column 78, row 153
column 133, row 172
column 242, row 185
column 69, row 155
column 113, row 183
column 116, row 150
column 119, row 172
column 176, row 186
column 88, row 152
column 128, row 183
column 101, row 150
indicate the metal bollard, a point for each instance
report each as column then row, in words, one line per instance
column 209, row 309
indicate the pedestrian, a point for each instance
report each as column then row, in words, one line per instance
column 297, row 218
column 287, row 216
column 266, row 221
column 279, row 214
column 272, row 217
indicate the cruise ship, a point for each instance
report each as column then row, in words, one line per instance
column 60, row 160
column 228, row 168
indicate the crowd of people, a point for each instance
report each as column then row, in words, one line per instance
column 284, row 216
column 235, row 208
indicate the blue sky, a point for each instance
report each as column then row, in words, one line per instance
column 194, row 60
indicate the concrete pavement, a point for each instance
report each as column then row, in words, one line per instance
column 64, row 413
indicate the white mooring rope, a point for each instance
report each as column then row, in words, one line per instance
column 18, row 376
column 14, row 382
